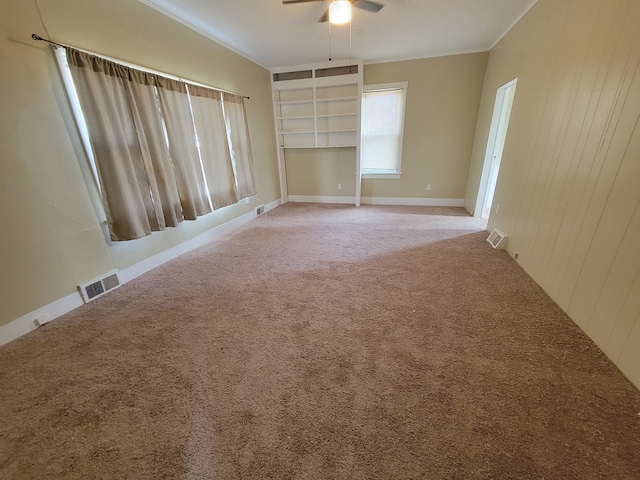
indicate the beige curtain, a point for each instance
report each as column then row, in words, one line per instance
column 210, row 126
column 183, row 147
column 154, row 171
column 123, row 164
column 150, row 124
column 240, row 144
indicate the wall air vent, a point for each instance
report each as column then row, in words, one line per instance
column 497, row 239
column 97, row 288
column 315, row 73
column 259, row 210
column 334, row 71
column 298, row 75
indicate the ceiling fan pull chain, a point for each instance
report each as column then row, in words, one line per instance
column 350, row 22
column 329, row 41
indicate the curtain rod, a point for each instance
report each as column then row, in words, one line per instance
column 40, row 39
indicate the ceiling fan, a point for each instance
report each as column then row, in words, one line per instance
column 367, row 5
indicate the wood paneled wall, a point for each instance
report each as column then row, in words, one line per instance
column 569, row 185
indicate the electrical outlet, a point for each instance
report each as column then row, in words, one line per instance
column 428, row 186
column 497, row 209
column 339, row 186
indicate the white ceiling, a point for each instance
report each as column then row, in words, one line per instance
column 276, row 35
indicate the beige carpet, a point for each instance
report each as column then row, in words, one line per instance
column 321, row 342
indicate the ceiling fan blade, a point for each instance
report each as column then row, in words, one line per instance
column 285, row 2
column 368, row 5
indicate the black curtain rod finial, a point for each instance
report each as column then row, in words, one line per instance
column 35, row 36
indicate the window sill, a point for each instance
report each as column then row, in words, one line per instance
column 381, row 175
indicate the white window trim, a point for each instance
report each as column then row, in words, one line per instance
column 388, row 86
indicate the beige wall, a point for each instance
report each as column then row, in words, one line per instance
column 50, row 239
column 443, row 98
column 319, row 172
column 569, row 184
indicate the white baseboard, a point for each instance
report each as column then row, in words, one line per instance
column 425, row 202
column 53, row 310
column 320, row 199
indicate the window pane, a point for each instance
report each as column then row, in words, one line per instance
column 382, row 121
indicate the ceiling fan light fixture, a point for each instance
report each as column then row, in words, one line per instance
column 340, row 12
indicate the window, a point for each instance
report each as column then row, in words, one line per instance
column 162, row 151
column 382, row 129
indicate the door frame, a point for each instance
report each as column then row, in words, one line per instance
column 494, row 131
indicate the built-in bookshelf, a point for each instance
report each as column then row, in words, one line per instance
column 318, row 107
column 316, row 117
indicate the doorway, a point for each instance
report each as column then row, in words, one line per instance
column 495, row 147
